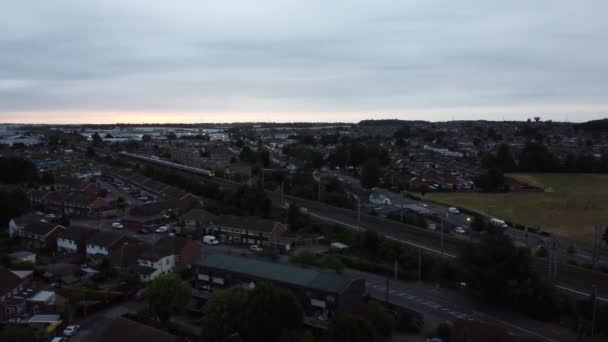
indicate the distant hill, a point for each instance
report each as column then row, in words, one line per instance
column 594, row 125
column 387, row 122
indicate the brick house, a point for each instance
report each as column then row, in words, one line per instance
column 73, row 240
column 155, row 212
column 39, row 235
column 245, row 230
column 11, row 285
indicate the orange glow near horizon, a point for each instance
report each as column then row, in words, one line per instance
column 556, row 113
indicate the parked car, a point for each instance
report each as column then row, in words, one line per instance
column 71, row 330
column 210, row 240
column 59, row 339
column 460, row 230
column 255, row 248
column 117, row 225
column 453, row 210
column 162, row 229
column 143, row 231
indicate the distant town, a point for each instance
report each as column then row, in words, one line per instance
column 381, row 230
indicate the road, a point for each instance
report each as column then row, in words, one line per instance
column 437, row 304
column 573, row 280
column 106, row 225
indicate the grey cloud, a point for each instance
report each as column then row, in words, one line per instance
column 303, row 57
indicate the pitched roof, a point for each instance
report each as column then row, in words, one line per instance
column 156, row 208
column 126, row 330
column 40, row 228
column 86, row 198
column 105, row 239
column 76, row 233
column 287, row 274
column 8, row 280
column 199, row 215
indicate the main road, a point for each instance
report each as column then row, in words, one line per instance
column 570, row 279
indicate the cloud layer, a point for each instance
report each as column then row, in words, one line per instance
column 343, row 60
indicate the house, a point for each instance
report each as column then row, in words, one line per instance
column 196, row 219
column 73, row 240
column 155, row 261
column 245, row 230
column 154, row 212
column 17, row 224
column 40, row 235
column 69, row 183
column 165, row 256
column 321, row 293
column 186, row 250
column 103, row 243
column 83, row 203
column 11, row 286
column 125, row 330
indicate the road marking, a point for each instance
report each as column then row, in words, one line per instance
column 386, row 236
column 580, row 292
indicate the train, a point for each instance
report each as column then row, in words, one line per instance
column 204, row 172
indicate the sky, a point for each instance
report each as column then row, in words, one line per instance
column 144, row 61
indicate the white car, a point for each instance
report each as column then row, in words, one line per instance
column 71, row 330
column 460, row 230
column 59, row 339
column 162, row 229
column 255, row 248
column 117, row 225
column 453, row 210
column 210, row 240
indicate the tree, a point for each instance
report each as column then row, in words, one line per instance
column 380, row 318
column 13, row 203
column 146, row 137
column 265, row 314
column 491, row 181
column 370, row 174
column 21, row 334
column 346, row 328
column 167, row 295
column 109, row 136
column 504, row 159
column 96, row 139
column 90, row 153
column 270, row 312
column 15, row 170
column 500, row 272
column 223, row 313
column 295, row 218
column 171, row 136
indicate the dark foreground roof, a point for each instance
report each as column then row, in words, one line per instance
column 287, row 274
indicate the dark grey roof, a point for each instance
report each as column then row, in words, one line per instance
column 8, row 280
column 40, row 228
column 197, row 214
column 287, row 274
column 126, row 330
column 144, row 270
column 76, row 233
column 104, row 239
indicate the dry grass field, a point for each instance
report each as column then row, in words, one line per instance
column 570, row 206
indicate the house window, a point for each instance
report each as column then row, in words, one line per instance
column 218, row 280
column 331, row 299
column 203, row 277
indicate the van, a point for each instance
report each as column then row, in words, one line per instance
column 210, row 240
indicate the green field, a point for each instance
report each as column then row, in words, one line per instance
column 570, row 206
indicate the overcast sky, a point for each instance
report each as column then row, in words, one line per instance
column 338, row 60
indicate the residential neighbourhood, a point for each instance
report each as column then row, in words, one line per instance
column 318, row 212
